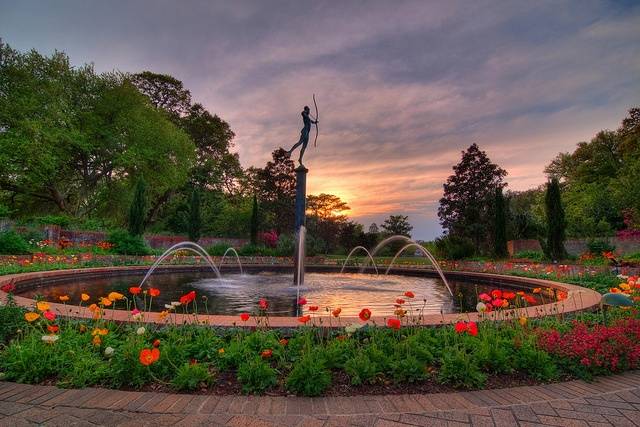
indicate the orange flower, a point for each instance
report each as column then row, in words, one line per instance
column 365, row 314
column 96, row 340
column 115, row 296
column 31, row 316
column 266, row 353
column 537, row 290
column 100, row 331
column 149, row 356
column 42, row 305
column 336, row 312
column 105, row 302
column 53, row 328
column 304, row 319
column 154, row 292
column 85, row 297
column 283, row 341
column 64, row 298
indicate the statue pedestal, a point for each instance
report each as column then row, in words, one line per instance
column 300, row 221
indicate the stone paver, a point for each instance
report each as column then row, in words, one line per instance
column 611, row 401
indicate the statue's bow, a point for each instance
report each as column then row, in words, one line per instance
column 317, row 117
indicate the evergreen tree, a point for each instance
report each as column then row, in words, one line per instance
column 195, row 221
column 255, row 219
column 138, row 209
column 500, row 225
column 468, row 195
column 556, row 223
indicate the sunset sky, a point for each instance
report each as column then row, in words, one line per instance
column 402, row 87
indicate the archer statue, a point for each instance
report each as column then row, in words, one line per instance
column 307, row 121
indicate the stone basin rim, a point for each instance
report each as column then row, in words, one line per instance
column 578, row 298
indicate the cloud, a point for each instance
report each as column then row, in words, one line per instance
column 402, row 86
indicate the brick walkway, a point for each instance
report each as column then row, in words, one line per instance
column 609, row 401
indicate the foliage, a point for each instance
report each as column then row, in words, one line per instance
column 127, row 244
column 360, row 369
column 11, row 320
column 255, row 222
column 530, row 255
column 195, row 221
column 326, row 219
column 500, row 225
column 256, row 376
column 454, row 247
column 460, row 369
column 556, row 223
column 598, row 246
column 138, row 209
column 309, row 377
column 191, row 376
column 467, row 195
column 11, row 243
column 397, row 225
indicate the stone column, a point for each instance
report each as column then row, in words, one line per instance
column 301, row 207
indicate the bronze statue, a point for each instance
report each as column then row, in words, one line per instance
column 307, row 121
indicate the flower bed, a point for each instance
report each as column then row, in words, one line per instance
column 42, row 346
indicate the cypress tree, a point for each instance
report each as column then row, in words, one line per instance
column 254, row 221
column 500, row 225
column 138, row 209
column 195, row 221
column 556, row 223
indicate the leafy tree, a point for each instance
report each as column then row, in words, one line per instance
column 138, row 209
column 397, row 225
column 326, row 218
column 195, row 221
column 500, row 226
column 526, row 215
column 275, row 186
column 373, row 228
column 555, row 222
column 468, row 193
column 165, row 92
column 255, row 218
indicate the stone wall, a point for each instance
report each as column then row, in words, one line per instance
column 577, row 247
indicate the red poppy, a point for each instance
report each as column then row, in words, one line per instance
column 469, row 327
column 409, row 294
column 400, row 301
column 336, row 312
column 154, row 292
column 313, row 308
column 8, row 288
column 497, row 302
column 135, row 290
column 529, row 299
column 304, row 319
column 393, row 323
column 485, row 297
column 263, row 304
column 508, row 295
column 149, row 356
column 53, row 328
column 302, row 301
column 496, row 293
column 244, row 316
column 156, row 343
column 266, row 353
column 365, row 314
column 49, row 315
column 187, row 298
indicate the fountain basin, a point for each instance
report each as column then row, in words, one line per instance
column 417, row 280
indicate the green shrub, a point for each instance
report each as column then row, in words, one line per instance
column 256, row 376
column 452, row 247
column 127, row 244
column 598, row 246
column 309, row 377
column 494, row 355
column 535, row 362
column 62, row 221
column 218, row 249
column 11, row 243
column 191, row 376
column 530, row 255
column 408, row 369
column 360, row 369
column 11, row 319
column 460, row 369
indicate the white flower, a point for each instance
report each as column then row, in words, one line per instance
column 50, row 339
column 350, row 329
column 109, row 351
column 169, row 307
column 481, row 307
column 141, row 330
column 175, row 303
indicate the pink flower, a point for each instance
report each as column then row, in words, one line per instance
column 302, row 301
column 263, row 304
column 49, row 315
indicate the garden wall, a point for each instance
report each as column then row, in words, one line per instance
column 577, row 247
